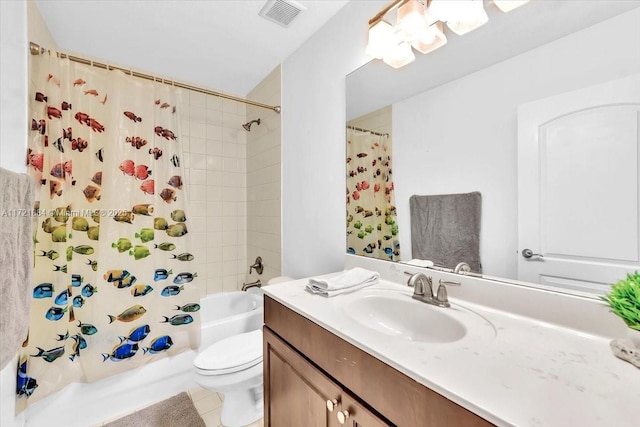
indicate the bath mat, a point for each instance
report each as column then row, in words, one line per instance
column 175, row 411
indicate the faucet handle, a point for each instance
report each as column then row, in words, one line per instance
column 442, row 299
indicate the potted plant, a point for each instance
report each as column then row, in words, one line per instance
column 624, row 300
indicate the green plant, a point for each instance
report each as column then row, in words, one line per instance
column 624, row 300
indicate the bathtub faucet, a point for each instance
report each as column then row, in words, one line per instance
column 255, row 284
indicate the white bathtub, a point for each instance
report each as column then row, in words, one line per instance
column 222, row 315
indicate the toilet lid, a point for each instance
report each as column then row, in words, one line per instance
column 232, row 354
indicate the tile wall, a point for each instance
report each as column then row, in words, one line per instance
column 214, row 145
column 264, row 179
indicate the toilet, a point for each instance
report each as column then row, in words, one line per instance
column 233, row 367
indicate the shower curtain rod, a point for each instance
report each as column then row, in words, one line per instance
column 36, row 49
column 367, row 130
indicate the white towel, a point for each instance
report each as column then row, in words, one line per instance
column 17, row 193
column 347, row 281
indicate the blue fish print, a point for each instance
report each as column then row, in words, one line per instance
column 43, row 290
column 62, row 337
column 158, row 344
column 184, row 278
column 49, row 355
column 171, row 290
column 78, row 301
column 121, row 352
column 76, row 280
column 189, row 308
column 88, row 290
column 63, row 297
column 136, row 334
column 79, row 344
column 161, row 274
column 87, row 328
column 25, row 385
column 351, row 251
column 178, row 319
column 55, row 313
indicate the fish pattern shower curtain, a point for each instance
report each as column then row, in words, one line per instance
column 113, row 284
column 372, row 228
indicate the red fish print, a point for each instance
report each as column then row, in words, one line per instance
column 136, row 141
column 167, row 134
column 165, row 105
column 91, row 193
column 95, row 125
column 356, row 195
column 66, row 106
column 157, row 101
column 127, row 167
column 67, row 134
column 358, row 186
column 104, row 101
column 41, row 97
column 42, row 126
column 364, row 185
column 142, row 172
column 60, row 170
column 55, row 188
column 376, row 188
column 97, row 178
column 175, row 181
column 53, row 78
column 78, row 82
column 148, row 187
column 168, row 195
column 132, row 116
column 79, row 144
column 91, row 92
column 34, row 124
column 158, row 130
column 53, row 112
column 157, row 153
column 37, row 161
column 83, row 118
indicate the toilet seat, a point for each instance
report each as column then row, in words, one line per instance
column 234, row 354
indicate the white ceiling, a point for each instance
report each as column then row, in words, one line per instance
column 220, row 45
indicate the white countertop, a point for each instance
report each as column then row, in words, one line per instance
column 523, row 372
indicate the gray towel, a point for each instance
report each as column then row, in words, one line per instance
column 445, row 229
column 16, row 261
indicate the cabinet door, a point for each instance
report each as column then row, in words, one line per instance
column 296, row 393
column 356, row 415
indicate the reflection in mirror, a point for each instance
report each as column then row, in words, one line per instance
column 531, row 131
column 372, row 228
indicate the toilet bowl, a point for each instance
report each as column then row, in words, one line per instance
column 233, row 366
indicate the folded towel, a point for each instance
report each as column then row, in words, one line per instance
column 16, row 261
column 347, row 281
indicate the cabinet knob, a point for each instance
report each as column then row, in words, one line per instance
column 331, row 404
column 342, row 416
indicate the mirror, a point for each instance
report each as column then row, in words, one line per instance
column 453, row 114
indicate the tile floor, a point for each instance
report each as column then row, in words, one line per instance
column 209, row 406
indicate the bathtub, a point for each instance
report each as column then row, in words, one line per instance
column 222, row 315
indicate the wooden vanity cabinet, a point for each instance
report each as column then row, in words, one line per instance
column 306, row 367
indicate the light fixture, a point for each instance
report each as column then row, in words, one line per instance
column 461, row 16
column 420, row 25
column 509, row 5
column 400, row 55
column 381, row 39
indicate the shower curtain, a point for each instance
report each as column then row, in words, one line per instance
column 113, row 284
column 372, row 228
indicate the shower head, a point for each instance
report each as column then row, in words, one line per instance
column 247, row 126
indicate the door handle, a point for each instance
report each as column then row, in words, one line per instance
column 528, row 254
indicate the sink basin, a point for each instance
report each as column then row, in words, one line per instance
column 394, row 314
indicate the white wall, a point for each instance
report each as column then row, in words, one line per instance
column 313, row 145
column 13, row 143
column 462, row 136
column 264, row 230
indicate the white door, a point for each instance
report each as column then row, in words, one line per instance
column 579, row 187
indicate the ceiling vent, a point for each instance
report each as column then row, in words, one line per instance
column 282, row 12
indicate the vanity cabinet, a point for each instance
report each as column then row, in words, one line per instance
column 315, row 378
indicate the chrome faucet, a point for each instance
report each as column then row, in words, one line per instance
column 423, row 289
column 462, row 267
